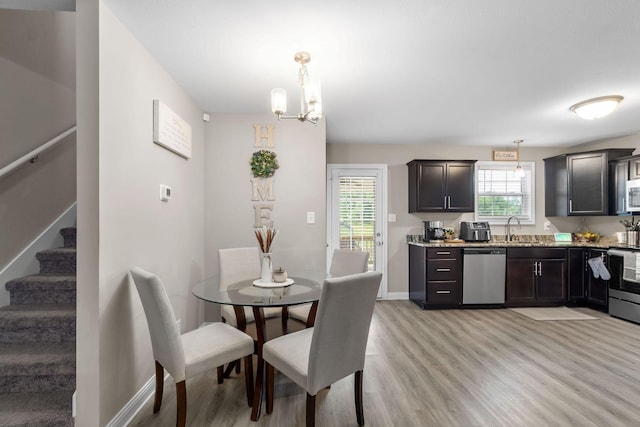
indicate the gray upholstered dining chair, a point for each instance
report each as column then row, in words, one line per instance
column 190, row 354
column 343, row 263
column 237, row 264
column 315, row 358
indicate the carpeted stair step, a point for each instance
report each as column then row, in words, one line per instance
column 37, row 322
column 57, row 261
column 36, row 367
column 36, row 409
column 43, row 289
column 69, row 236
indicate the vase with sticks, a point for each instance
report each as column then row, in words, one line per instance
column 265, row 236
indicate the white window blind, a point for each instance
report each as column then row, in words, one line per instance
column 358, row 214
column 500, row 194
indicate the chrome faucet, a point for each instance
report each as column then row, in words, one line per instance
column 508, row 227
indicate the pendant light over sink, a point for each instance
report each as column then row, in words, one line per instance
column 596, row 108
column 518, row 171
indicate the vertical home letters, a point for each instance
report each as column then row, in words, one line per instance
column 262, row 188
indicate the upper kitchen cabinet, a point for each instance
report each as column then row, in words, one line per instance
column 634, row 167
column 441, row 186
column 579, row 184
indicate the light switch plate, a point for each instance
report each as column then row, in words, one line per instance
column 311, row 217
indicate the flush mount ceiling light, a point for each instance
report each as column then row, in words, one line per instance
column 310, row 99
column 595, row 108
column 518, row 171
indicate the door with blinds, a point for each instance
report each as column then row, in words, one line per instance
column 356, row 212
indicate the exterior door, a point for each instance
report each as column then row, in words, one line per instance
column 357, row 213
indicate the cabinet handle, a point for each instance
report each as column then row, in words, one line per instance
column 443, row 292
column 570, row 206
column 539, row 268
column 443, row 269
column 448, row 202
column 444, row 202
column 443, row 253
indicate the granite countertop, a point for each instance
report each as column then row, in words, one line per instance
column 522, row 241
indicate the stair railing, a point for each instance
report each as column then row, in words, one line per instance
column 33, row 155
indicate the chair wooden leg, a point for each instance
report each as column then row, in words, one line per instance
column 248, row 378
column 181, row 397
column 220, row 370
column 311, row 410
column 237, row 362
column 159, row 387
column 358, row 398
column 285, row 320
column 269, row 391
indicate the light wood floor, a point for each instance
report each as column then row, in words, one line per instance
column 454, row 368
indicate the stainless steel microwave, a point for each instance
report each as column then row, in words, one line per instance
column 633, row 195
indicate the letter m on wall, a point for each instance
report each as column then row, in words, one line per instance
column 262, row 189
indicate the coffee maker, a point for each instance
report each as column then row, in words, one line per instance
column 433, row 231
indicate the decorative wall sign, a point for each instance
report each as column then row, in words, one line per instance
column 505, row 155
column 263, row 165
column 170, row 130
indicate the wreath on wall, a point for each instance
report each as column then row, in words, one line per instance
column 264, row 163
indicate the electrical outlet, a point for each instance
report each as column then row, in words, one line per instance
column 547, row 225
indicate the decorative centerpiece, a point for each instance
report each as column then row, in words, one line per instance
column 265, row 236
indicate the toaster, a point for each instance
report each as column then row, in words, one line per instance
column 475, row 231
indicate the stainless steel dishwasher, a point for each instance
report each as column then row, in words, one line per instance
column 483, row 275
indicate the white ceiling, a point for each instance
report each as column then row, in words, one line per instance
column 464, row 72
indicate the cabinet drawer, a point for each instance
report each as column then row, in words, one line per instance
column 442, row 269
column 443, row 253
column 537, row 253
column 443, row 292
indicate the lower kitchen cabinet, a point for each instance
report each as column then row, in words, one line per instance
column 536, row 276
column 435, row 276
column 583, row 286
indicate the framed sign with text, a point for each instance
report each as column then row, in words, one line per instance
column 170, row 130
column 505, row 155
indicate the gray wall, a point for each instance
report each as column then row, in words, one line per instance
column 396, row 157
column 37, row 83
column 299, row 187
column 126, row 224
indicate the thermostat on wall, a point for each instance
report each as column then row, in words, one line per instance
column 165, row 192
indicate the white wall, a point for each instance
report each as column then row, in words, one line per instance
column 126, row 224
column 299, row 187
column 397, row 156
column 37, row 83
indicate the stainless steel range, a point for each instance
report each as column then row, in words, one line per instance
column 624, row 285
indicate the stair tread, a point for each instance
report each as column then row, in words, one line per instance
column 43, row 282
column 36, row 351
column 56, row 252
column 36, row 409
column 37, row 311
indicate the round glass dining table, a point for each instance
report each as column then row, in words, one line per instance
column 258, row 296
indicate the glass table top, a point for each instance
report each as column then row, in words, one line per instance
column 301, row 291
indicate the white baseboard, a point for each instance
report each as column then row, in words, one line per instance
column 25, row 262
column 397, row 295
column 133, row 406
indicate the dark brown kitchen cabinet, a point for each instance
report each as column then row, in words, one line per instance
column 435, row 276
column 583, row 285
column 619, row 174
column 536, row 276
column 441, row 186
column 634, row 168
column 596, row 289
column 579, row 183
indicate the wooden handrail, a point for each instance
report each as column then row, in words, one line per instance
column 31, row 156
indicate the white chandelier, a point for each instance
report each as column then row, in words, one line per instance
column 310, row 98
